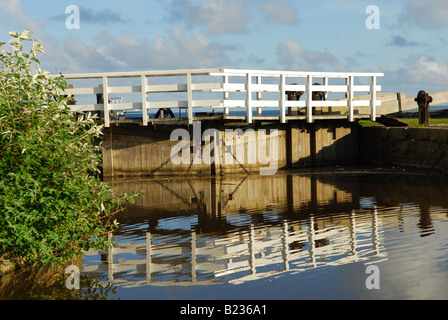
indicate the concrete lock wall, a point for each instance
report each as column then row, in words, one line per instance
column 145, row 151
column 422, row 148
column 322, row 143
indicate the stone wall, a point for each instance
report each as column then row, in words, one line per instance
column 422, row 148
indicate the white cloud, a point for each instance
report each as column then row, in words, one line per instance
column 218, row 16
column 231, row 16
column 126, row 52
column 293, row 56
column 426, row 13
column 85, row 56
column 419, row 72
column 13, row 16
column 424, row 69
column 280, row 12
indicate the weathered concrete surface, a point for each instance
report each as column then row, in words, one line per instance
column 417, row 147
column 322, row 143
column 145, row 151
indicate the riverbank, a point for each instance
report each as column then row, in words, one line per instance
column 24, row 281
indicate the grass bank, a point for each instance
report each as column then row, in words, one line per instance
column 411, row 122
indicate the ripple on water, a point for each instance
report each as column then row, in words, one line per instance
column 332, row 224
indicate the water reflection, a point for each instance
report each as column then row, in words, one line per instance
column 237, row 229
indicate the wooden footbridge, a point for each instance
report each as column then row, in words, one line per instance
column 256, row 95
column 196, row 94
column 315, row 114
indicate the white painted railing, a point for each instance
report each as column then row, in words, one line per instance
column 254, row 90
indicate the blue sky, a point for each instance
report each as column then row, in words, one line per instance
column 409, row 47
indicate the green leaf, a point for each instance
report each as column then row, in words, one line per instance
column 51, row 204
column 25, row 35
column 13, row 34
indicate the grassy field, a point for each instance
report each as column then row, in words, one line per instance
column 412, row 122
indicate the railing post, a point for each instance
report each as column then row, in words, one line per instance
column 189, row 99
column 259, row 109
column 226, row 93
column 309, row 99
column 106, row 102
column 325, row 82
column 249, row 97
column 282, row 99
column 373, row 99
column 350, row 98
column 144, row 102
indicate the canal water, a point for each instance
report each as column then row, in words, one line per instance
column 335, row 233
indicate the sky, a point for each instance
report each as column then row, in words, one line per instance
column 407, row 40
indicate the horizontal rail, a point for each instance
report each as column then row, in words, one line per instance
column 136, row 74
column 274, row 73
column 240, row 87
column 216, row 88
column 275, row 103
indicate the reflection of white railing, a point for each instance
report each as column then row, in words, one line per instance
column 216, row 89
column 253, row 254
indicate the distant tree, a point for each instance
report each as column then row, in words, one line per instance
column 53, row 203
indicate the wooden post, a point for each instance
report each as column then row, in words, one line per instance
column 249, row 97
column 226, row 94
column 325, row 82
column 106, row 102
column 282, row 99
column 189, row 99
column 144, row 102
column 351, row 81
column 259, row 109
column 373, row 99
column 309, row 99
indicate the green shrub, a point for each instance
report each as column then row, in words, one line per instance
column 53, row 204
